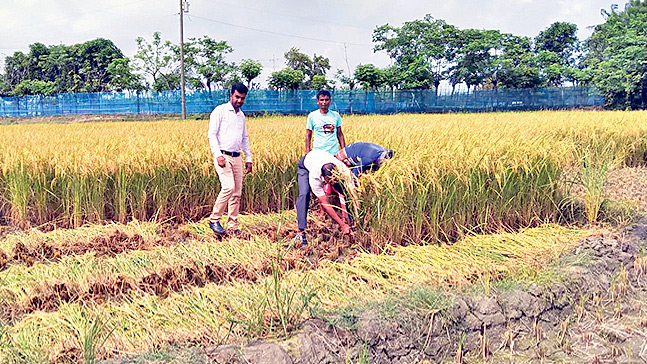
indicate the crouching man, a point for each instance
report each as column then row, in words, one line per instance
column 362, row 157
column 315, row 171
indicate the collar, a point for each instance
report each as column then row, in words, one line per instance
column 231, row 108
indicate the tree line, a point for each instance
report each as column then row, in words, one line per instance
column 424, row 52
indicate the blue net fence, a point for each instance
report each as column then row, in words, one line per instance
column 302, row 101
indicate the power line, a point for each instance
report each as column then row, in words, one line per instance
column 265, row 12
column 281, row 34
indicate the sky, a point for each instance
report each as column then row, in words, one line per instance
column 265, row 29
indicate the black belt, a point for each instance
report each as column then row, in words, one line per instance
column 233, row 154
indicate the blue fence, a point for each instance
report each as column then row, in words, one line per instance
column 301, row 101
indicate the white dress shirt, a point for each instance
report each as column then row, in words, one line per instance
column 228, row 131
column 313, row 162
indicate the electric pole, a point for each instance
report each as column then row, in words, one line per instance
column 184, row 8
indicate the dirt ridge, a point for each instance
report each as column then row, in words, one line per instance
column 115, row 242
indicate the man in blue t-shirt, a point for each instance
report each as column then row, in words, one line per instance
column 363, row 157
column 323, row 128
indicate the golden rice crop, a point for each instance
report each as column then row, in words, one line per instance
column 452, row 173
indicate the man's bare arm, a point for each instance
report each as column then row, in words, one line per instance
column 327, row 207
column 340, row 137
column 308, row 140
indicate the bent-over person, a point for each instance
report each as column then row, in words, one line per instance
column 362, row 157
column 315, row 170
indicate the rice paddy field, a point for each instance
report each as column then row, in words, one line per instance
column 105, row 251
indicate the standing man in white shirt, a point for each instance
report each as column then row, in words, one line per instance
column 227, row 137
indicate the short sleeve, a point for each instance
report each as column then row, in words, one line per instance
column 309, row 123
column 316, row 186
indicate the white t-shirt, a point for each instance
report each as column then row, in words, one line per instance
column 313, row 163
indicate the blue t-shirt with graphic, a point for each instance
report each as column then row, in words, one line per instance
column 324, row 130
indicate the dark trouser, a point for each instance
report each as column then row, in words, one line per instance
column 303, row 200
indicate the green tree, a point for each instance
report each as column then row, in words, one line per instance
column 556, row 48
column 369, row 76
column 158, row 60
column 559, row 38
column 122, row 76
column 617, row 56
column 476, row 57
column 78, row 68
column 94, row 58
column 310, row 67
column 250, row 69
column 344, row 79
column 320, row 82
column 286, row 79
column 424, row 48
column 16, row 69
column 21, row 67
column 517, row 66
column 298, row 61
column 34, row 87
column 234, row 76
column 417, row 75
column 393, row 77
column 61, row 66
column 205, row 57
column 320, row 66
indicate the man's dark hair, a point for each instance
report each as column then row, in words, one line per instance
column 323, row 93
column 327, row 169
column 240, row 87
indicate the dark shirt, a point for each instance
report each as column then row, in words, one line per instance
column 363, row 156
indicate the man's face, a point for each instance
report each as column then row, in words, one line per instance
column 237, row 99
column 323, row 102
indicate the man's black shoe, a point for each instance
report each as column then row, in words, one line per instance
column 217, row 228
column 300, row 241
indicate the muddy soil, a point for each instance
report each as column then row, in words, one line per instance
column 50, row 295
column 598, row 314
column 113, row 243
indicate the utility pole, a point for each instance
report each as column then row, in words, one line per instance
column 184, row 8
column 273, row 63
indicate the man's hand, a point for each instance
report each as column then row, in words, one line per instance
column 345, row 229
column 350, row 222
column 248, row 167
column 221, row 161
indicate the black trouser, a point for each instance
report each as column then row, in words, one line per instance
column 303, row 200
